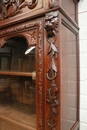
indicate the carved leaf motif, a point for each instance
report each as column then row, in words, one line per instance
column 23, row 5
column 14, row 9
column 54, row 65
column 32, row 4
column 52, row 97
column 15, row 6
column 51, row 123
column 54, row 109
column 53, row 50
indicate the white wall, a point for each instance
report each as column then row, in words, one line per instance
column 82, row 13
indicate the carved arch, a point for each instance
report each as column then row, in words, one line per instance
column 31, row 31
column 26, row 36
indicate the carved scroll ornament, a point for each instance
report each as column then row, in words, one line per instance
column 51, row 26
column 9, row 8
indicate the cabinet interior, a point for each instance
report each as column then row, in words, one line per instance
column 18, row 82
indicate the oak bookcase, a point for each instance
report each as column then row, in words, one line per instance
column 39, row 65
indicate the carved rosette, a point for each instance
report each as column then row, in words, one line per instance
column 51, row 26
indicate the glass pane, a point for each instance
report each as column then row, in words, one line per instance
column 68, row 79
column 17, row 93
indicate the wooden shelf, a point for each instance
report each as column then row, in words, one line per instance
column 13, row 122
column 18, row 115
column 16, row 73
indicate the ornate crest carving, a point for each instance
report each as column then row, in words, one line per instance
column 9, row 8
column 51, row 26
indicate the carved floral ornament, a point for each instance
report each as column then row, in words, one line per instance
column 9, row 8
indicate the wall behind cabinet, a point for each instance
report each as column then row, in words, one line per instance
column 82, row 14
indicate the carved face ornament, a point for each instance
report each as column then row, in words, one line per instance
column 51, row 24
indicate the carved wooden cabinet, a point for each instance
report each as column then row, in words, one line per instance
column 39, row 65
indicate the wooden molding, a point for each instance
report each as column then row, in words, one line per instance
column 21, row 30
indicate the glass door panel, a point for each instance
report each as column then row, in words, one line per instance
column 17, row 85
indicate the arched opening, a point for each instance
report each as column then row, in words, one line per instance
column 17, row 84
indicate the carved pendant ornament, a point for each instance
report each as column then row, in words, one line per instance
column 9, row 8
column 51, row 26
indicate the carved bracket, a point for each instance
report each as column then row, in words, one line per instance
column 51, row 26
column 9, row 8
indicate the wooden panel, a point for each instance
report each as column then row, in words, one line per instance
column 68, row 79
column 69, row 7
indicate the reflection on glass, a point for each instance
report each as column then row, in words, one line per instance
column 18, row 93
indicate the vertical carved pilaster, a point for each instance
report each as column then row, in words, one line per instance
column 51, row 26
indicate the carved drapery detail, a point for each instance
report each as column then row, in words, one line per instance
column 9, row 8
column 51, row 26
